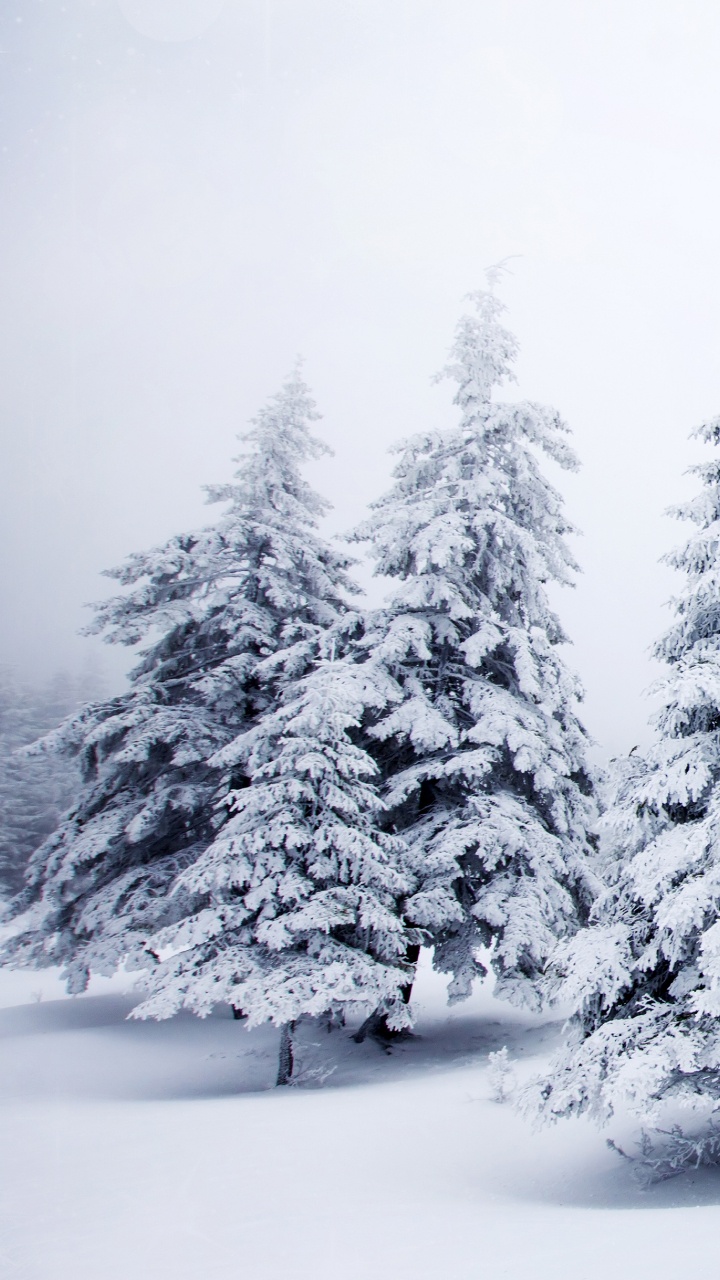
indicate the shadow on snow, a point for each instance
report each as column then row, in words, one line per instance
column 92, row 1051
column 86, row 1049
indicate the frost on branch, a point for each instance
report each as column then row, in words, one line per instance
column 671, row 1152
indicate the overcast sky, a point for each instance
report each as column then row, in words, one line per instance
column 192, row 192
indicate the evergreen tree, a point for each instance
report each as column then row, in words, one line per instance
column 36, row 787
column 300, row 897
column 645, row 977
column 259, row 585
column 480, row 747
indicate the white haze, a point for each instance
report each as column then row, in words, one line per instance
column 193, row 192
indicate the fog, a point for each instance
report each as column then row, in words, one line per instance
column 193, row 192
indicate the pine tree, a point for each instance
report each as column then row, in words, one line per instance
column 481, row 749
column 35, row 787
column 645, row 978
column 300, row 897
column 239, row 608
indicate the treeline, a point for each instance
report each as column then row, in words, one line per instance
column 297, row 793
column 36, row 786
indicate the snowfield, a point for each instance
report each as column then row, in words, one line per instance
column 161, row 1151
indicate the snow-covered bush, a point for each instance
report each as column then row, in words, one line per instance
column 480, row 746
column 645, row 978
column 501, row 1075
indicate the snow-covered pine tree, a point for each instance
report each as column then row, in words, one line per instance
column 300, row 897
column 645, row 977
column 482, row 752
column 223, row 600
column 35, row 788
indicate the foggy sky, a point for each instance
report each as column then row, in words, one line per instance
column 193, row 192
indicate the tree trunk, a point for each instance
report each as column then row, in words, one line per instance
column 376, row 1025
column 285, row 1056
column 412, row 955
column 237, row 1012
column 372, row 1026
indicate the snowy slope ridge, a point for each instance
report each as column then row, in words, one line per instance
column 160, row 1150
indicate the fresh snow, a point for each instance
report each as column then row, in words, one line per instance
column 160, row 1151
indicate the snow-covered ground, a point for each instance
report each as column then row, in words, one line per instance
column 161, row 1152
